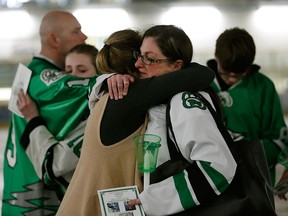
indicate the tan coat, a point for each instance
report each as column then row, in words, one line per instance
column 100, row 167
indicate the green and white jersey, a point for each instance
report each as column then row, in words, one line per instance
column 62, row 101
column 253, row 111
column 212, row 166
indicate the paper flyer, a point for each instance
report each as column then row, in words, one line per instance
column 21, row 81
column 113, row 202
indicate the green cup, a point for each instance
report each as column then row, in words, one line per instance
column 147, row 147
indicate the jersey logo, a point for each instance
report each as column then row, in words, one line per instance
column 189, row 101
column 49, row 76
column 226, row 99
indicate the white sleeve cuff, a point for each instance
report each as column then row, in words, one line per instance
column 95, row 93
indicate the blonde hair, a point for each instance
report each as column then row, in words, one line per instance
column 117, row 54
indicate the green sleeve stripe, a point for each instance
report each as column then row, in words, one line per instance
column 217, row 178
column 183, row 191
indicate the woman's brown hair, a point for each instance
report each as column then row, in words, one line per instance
column 117, row 54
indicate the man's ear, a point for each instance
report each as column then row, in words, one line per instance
column 178, row 64
column 53, row 40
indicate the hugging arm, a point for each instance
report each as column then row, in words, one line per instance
column 199, row 77
column 129, row 113
column 118, row 85
column 53, row 160
column 27, row 106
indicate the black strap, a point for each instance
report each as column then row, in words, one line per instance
column 222, row 128
column 172, row 146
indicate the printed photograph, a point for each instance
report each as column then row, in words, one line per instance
column 129, row 208
column 113, row 207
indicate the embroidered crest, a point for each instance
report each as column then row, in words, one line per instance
column 226, row 99
column 49, row 76
column 189, row 101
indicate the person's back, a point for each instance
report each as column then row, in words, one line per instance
column 62, row 102
column 251, row 105
column 106, row 174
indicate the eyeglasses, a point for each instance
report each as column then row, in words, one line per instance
column 147, row 60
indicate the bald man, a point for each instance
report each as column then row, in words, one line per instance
column 37, row 171
column 59, row 32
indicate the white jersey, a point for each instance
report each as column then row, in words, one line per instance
column 201, row 143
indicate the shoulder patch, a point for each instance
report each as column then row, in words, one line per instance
column 49, row 76
column 189, row 101
column 225, row 98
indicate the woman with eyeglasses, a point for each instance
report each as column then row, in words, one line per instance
column 198, row 137
column 108, row 158
column 251, row 105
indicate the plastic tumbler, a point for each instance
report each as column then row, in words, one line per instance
column 147, row 147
